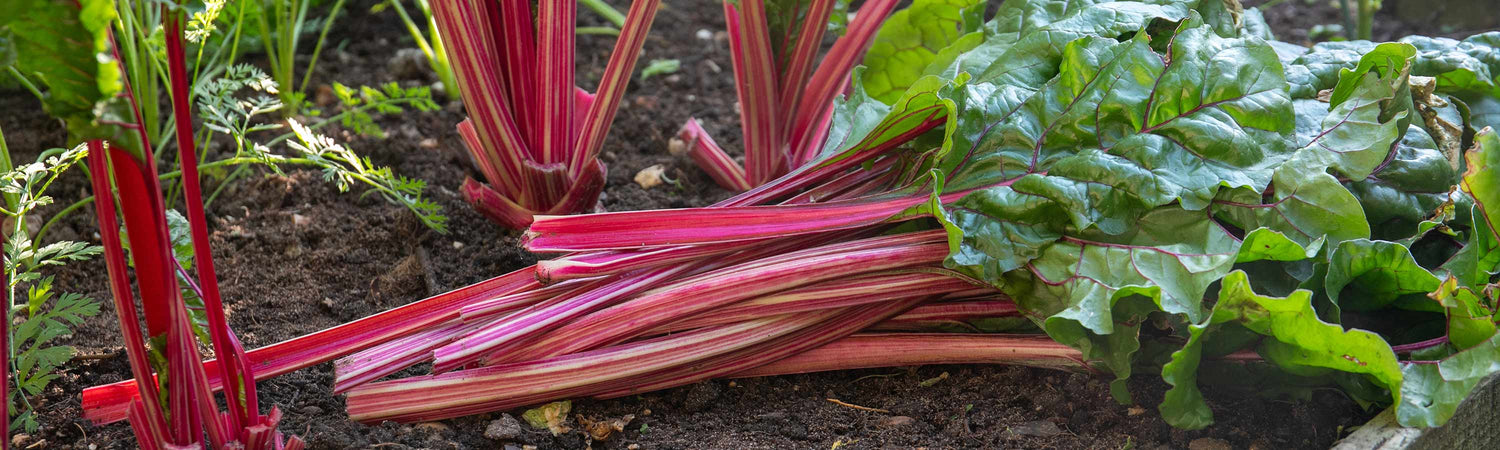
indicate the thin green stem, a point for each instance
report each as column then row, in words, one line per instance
column 25, row 82
column 1366, row 19
column 598, row 31
column 604, row 10
column 411, row 28
column 318, row 46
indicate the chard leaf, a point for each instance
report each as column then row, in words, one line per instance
column 1300, row 343
column 1309, row 206
column 1411, row 185
column 1482, row 179
column 1118, row 132
column 1468, row 66
column 1081, row 282
column 1365, row 275
column 65, row 45
column 910, row 40
column 1432, row 390
column 1369, row 108
column 1472, row 64
column 1476, row 264
column 1484, row 111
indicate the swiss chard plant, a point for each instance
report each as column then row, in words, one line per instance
column 178, row 409
column 785, row 90
column 533, row 135
column 1110, row 187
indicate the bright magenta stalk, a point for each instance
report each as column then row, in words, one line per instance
column 838, row 293
column 755, row 80
column 109, row 403
column 785, row 105
column 726, row 286
column 617, row 73
column 712, row 159
column 610, row 262
column 241, row 405
column 949, row 313
column 504, row 386
column 555, row 21
column 636, row 229
column 144, row 397
column 832, row 76
column 848, row 321
column 508, row 340
column 537, row 153
column 507, row 335
column 863, row 351
column 376, row 362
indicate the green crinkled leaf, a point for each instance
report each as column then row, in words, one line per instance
column 1484, row 111
column 1309, row 206
column 64, row 45
column 1370, row 107
column 1300, row 343
column 1470, row 321
column 1266, row 244
column 1472, row 64
column 1408, row 188
column 1365, row 275
column 1482, row 179
column 1118, row 132
column 1084, row 284
column 1478, row 262
column 910, row 40
column 1432, row 390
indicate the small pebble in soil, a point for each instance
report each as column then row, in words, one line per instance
column 505, row 428
column 1040, row 428
column 457, row 245
column 428, row 143
column 1209, row 444
column 897, row 421
column 311, row 410
column 704, row 34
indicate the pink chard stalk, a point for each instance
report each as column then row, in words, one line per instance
column 534, row 136
column 785, row 103
column 179, row 410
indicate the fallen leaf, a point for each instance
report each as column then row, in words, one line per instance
column 552, row 416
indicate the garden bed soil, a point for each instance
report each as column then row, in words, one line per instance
column 296, row 256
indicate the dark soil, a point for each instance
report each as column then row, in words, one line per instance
column 296, row 256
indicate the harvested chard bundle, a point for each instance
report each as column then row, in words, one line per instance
column 532, row 133
column 1151, row 186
